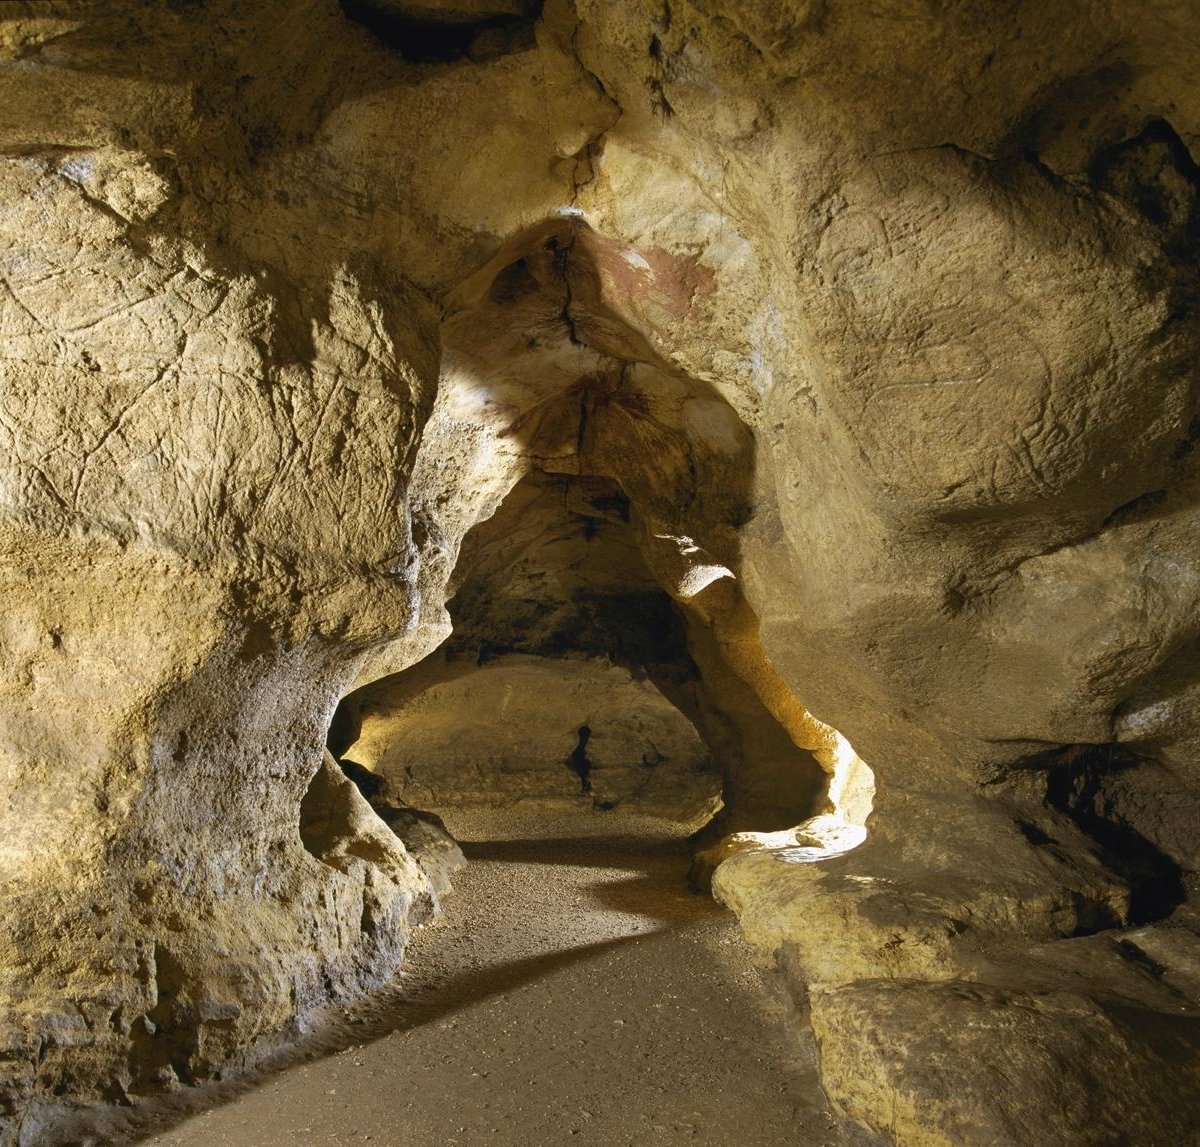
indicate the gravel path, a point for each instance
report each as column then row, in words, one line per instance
column 573, row 993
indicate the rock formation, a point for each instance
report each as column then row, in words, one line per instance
column 865, row 336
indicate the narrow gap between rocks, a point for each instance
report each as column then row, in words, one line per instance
column 578, row 761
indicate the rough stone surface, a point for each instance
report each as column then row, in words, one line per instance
column 426, row 840
column 883, row 321
column 541, row 732
column 570, row 984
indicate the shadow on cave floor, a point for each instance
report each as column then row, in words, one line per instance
column 574, row 991
column 597, row 851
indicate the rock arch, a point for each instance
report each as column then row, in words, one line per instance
column 551, row 384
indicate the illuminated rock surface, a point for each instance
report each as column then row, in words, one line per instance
column 866, row 338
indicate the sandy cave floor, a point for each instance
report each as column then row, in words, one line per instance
column 573, row 992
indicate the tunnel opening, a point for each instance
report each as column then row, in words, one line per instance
column 600, row 652
column 566, row 682
column 596, row 657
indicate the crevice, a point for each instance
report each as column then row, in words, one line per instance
column 581, row 433
column 578, row 761
column 1187, row 443
column 1074, row 778
column 1134, row 509
column 369, row 784
column 1033, row 834
column 562, row 255
column 422, row 38
column 584, row 172
column 1143, row 960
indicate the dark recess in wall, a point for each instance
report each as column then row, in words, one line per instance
column 445, row 36
column 578, row 761
column 1075, row 785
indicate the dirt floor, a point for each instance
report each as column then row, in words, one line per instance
column 574, row 992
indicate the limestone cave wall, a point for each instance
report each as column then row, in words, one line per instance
column 880, row 323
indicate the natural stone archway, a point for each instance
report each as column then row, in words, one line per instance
column 546, row 368
column 894, row 309
column 560, row 625
column 544, row 690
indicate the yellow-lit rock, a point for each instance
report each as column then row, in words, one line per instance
column 881, row 319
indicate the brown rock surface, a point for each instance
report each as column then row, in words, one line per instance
column 539, row 732
column 880, row 319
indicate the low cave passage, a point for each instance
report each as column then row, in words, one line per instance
column 575, row 987
column 573, row 680
column 600, row 711
column 599, row 649
column 598, row 729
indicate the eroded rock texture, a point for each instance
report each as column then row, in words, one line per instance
column 538, row 733
column 881, row 322
column 572, row 678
